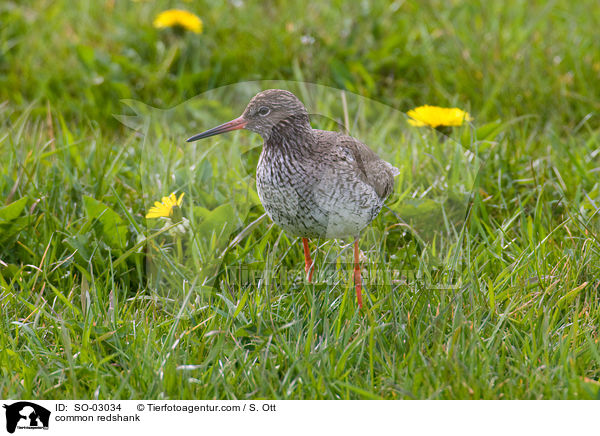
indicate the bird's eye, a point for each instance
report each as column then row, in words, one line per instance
column 264, row 111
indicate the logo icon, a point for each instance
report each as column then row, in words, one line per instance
column 26, row 415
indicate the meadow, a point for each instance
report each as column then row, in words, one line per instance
column 96, row 301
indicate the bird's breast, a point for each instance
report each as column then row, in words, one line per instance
column 312, row 199
column 284, row 188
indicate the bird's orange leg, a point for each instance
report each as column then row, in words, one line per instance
column 357, row 277
column 309, row 266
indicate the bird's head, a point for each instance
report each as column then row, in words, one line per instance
column 268, row 110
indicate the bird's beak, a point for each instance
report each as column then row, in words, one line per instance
column 238, row 123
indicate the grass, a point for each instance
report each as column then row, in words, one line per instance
column 97, row 302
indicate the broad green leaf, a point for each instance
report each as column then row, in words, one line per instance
column 86, row 55
column 488, row 131
column 13, row 210
column 221, row 222
column 81, row 245
column 13, row 227
column 113, row 229
column 200, row 213
column 10, row 221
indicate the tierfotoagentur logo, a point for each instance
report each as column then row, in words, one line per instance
column 24, row 415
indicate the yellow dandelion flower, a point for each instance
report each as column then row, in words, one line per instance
column 435, row 116
column 165, row 207
column 178, row 18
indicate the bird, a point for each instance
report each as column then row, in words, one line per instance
column 312, row 183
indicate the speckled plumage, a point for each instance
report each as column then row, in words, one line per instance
column 332, row 186
column 316, row 183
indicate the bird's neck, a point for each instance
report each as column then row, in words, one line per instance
column 289, row 135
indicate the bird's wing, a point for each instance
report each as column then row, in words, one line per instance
column 369, row 167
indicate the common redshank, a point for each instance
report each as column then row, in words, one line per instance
column 313, row 183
